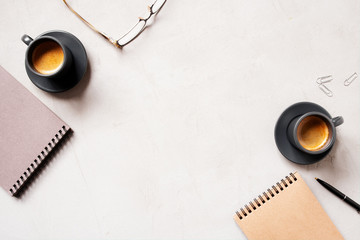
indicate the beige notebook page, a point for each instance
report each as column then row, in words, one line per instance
column 294, row 213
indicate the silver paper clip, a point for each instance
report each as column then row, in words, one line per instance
column 349, row 80
column 327, row 91
column 324, row 79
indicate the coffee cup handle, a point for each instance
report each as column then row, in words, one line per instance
column 337, row 121
column 26, row 39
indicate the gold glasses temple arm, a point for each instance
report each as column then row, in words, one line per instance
column 91, row 26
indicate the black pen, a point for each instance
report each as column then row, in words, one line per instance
column 339, row 194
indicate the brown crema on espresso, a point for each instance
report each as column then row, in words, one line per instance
column 313, row 133
column 47, row 57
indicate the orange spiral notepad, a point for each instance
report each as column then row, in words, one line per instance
column 287, row 210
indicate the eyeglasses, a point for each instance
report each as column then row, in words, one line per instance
column 134, row 31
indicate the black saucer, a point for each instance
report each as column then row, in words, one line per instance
column 75, row 74
column 285, row 147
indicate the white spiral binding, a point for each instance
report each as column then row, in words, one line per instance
column 266, row 196
column 37, row 161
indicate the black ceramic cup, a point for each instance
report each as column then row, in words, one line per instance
column 313, row 132
column 61, row 70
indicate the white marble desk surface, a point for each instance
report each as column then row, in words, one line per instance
column 175, row 132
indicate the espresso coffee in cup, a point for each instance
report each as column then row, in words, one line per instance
column 47, row 57
column 55, row 61
column 313, row 132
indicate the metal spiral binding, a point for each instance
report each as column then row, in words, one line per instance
column 266, row 196
column 41, row 157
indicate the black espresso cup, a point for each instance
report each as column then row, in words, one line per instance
column 47, row 56
column 313, row 132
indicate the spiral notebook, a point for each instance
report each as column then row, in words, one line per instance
column 287, row 210
column 29, row 132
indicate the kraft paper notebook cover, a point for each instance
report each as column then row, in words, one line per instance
column 28, row 133
column 288, row 210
